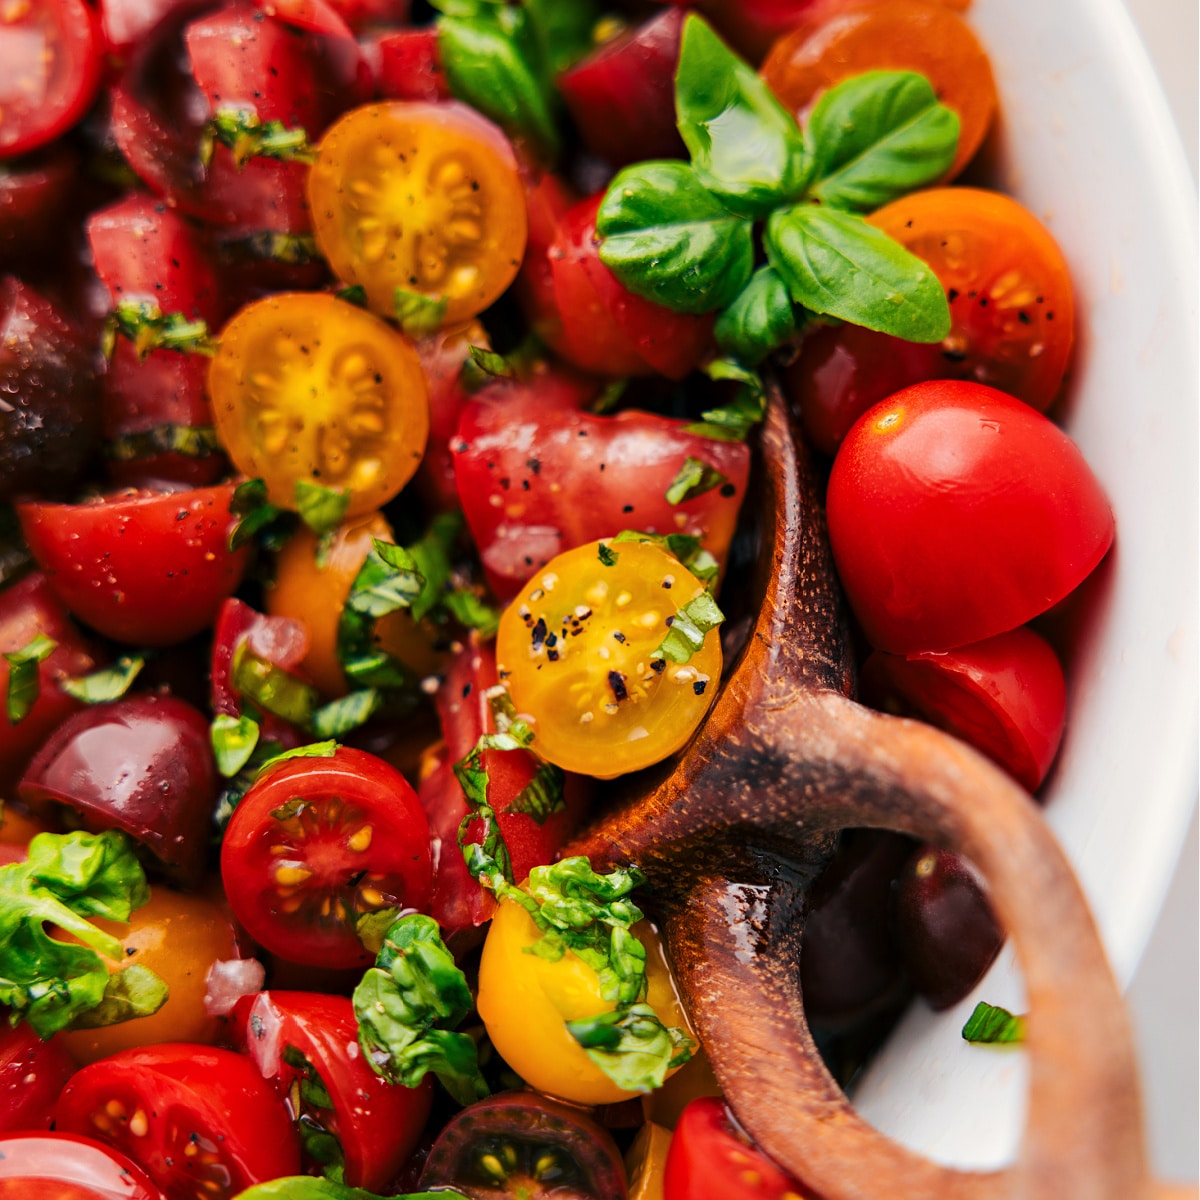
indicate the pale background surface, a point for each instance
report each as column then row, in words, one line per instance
column 1165, row 993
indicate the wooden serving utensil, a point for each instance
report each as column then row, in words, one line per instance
column 732, row 834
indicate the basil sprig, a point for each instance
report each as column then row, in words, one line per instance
column 683, row 234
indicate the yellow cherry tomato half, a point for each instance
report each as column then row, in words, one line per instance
column 313, row 589
column 577, row 649
column 425, row 198
column 306, row 387
column 525, row 1002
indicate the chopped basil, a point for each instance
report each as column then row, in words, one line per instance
column 260, row 519
column 24, row 678
column 692, row 622
column 694, row 478
column 322, row 509
column 310, row 1187
column 109, row 683
column 472, row 612
column 685, row 547
column 632, row 1046
column 325, row 749
column 234, row 740
column 190, row 441
column 348, row 712
column 732, row 422
column 150, row 329
column 309, row 1101
column 491, row 363
column 418, row 314
column 607, row 556
column 245, row 135
column 271, row 688
column 355, row 294
column 991, row 1025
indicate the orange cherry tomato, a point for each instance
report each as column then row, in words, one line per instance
column 306, row 387
column 420, row 197
column 315, row 593
column 895, row 35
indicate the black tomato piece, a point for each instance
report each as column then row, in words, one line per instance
column 520, row 1144
column 945, row 928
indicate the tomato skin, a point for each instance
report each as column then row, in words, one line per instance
column 118, row 563
column 179, row 1094
column 956, row 512
column 1005, row 696
column 67, row 1167
column 594, row 476
column 35, row 198
column 707, row 1160
column 346, row 829
column 377, row 1123
column 32, row 1073
column 410, row 66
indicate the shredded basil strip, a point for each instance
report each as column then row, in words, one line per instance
column 685, row 547
column 322, row 509
column 271, row 688
column 24, row 678
column 990, row 1024
column 693, row 479
column 234, row 740
column 689, row 628
column 109, row 683
column 150, row 329
column 191, row 441
column 246, row 135
column 733, row 422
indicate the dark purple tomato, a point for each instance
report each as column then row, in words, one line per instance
column 142, row 764
column 849, row 965
column 520, row 1144
column 35, row 193
column 945, row 929
column 49, row 394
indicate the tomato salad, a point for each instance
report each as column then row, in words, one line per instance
column 382, row 391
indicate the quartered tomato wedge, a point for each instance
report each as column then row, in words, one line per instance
column 424, row 198
column 318, row 842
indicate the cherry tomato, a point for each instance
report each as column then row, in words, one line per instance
column 956, row 513
column 410, row 66
column 1005, row 696
column 149, row 569
column 710, row 1160
column 178, row 937
column 890, row 35
column 315, row 843
column 419, row 197
column 197, row 1120
column 62, row 1166
column 302, row 1039
column 519, row 1145
column 32, row 1073
column 308, row 388
column 525, row 1001
column 575, row 647
column 535, row 481
column 35, row 199
column 311, row 585
column 51, row 56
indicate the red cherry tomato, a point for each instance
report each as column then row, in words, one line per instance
column 62, row 1166
column 51, row 56
column 32, row 1073
column 710, row 1160
column 956, row 512
column 300, row 1038
column 197, row 1120
column 142, row 764
column 35, row 196
column 145, row 568
column 410, row 66
column 317, row 842
column 1005, row 696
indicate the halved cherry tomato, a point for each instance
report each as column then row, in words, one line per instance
column 35, row 198
column 199, row 1121
column 889, row 35
column 1005, row 696
column 143, row 764
column 710, row 1160
column 145, row 568
column 51, row 56
column 410, row 66
column 956, row 513
column 308, row 388
column 317, row 842
column 306, row 1044
column 424, row 198
column 32, row 1073
column 62, row 1166
column 1012, row 310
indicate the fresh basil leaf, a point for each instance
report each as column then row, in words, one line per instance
column 835, row 264
column 234, row 740
column 133, row 991
column 667, row 238
column 685, row 547
column 693, row 479
column 311, row 1187
column 632, row 1046
column 745, row 146
column 24, row 678
column 150, row 329
column 388, row 580
column 991, row 1025
column 246, row 135
column 355, row 294
column 430, row 558
column 494, row 365
column 563, row 32
column 260, row 519
column 418, row 314
column 759, row 319
column 732, row 422
column 348, row 712
column 326, row 749
column 191, row 441
column 542, row 796
column 877, row 136
column 472, row 612
column 688, row 629
column 109, row 683
column 607, row 556
column 610, row 397
column 322, row 509
column 271, row 688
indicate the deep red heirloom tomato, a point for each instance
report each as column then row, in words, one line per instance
column 317, row 842
column 62, row 1166
column 956, row 513
column 32, row 1073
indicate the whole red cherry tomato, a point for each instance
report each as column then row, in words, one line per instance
column 298, row 1039
column 317, row 842
column 146, row 568
column 32, row 1073
column 409, row 66
column 63, row 1166
column 956, row 512
column 197, row 1120
column 1004, row 696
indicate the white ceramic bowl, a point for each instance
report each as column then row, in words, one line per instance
column 1088, row 144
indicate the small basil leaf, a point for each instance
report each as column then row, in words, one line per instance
column 233, row 741
column 322, row 509
column 24, row 679
column 109, row 683
column 688, row 629
column 417, row 313
column 346, row 713
column 632, row 1046
column 685, row 547
column 134, row 991
column 272, row 688
column 472, row 612
column 744, row 144
column 492, row 364
column 990, row 1024
column 693, row 479
column 563, row 32
column 311, row 750
column 667, row 238
column 835, row 264
column 877, row 136
column 192, row 441
column 732, row 422
column 761, row 318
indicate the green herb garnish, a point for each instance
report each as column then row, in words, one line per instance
column 150, row 329
column 245, row 135
column 991, row 1025
column 693, row 479
column 24, row 678
column 109, row 683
